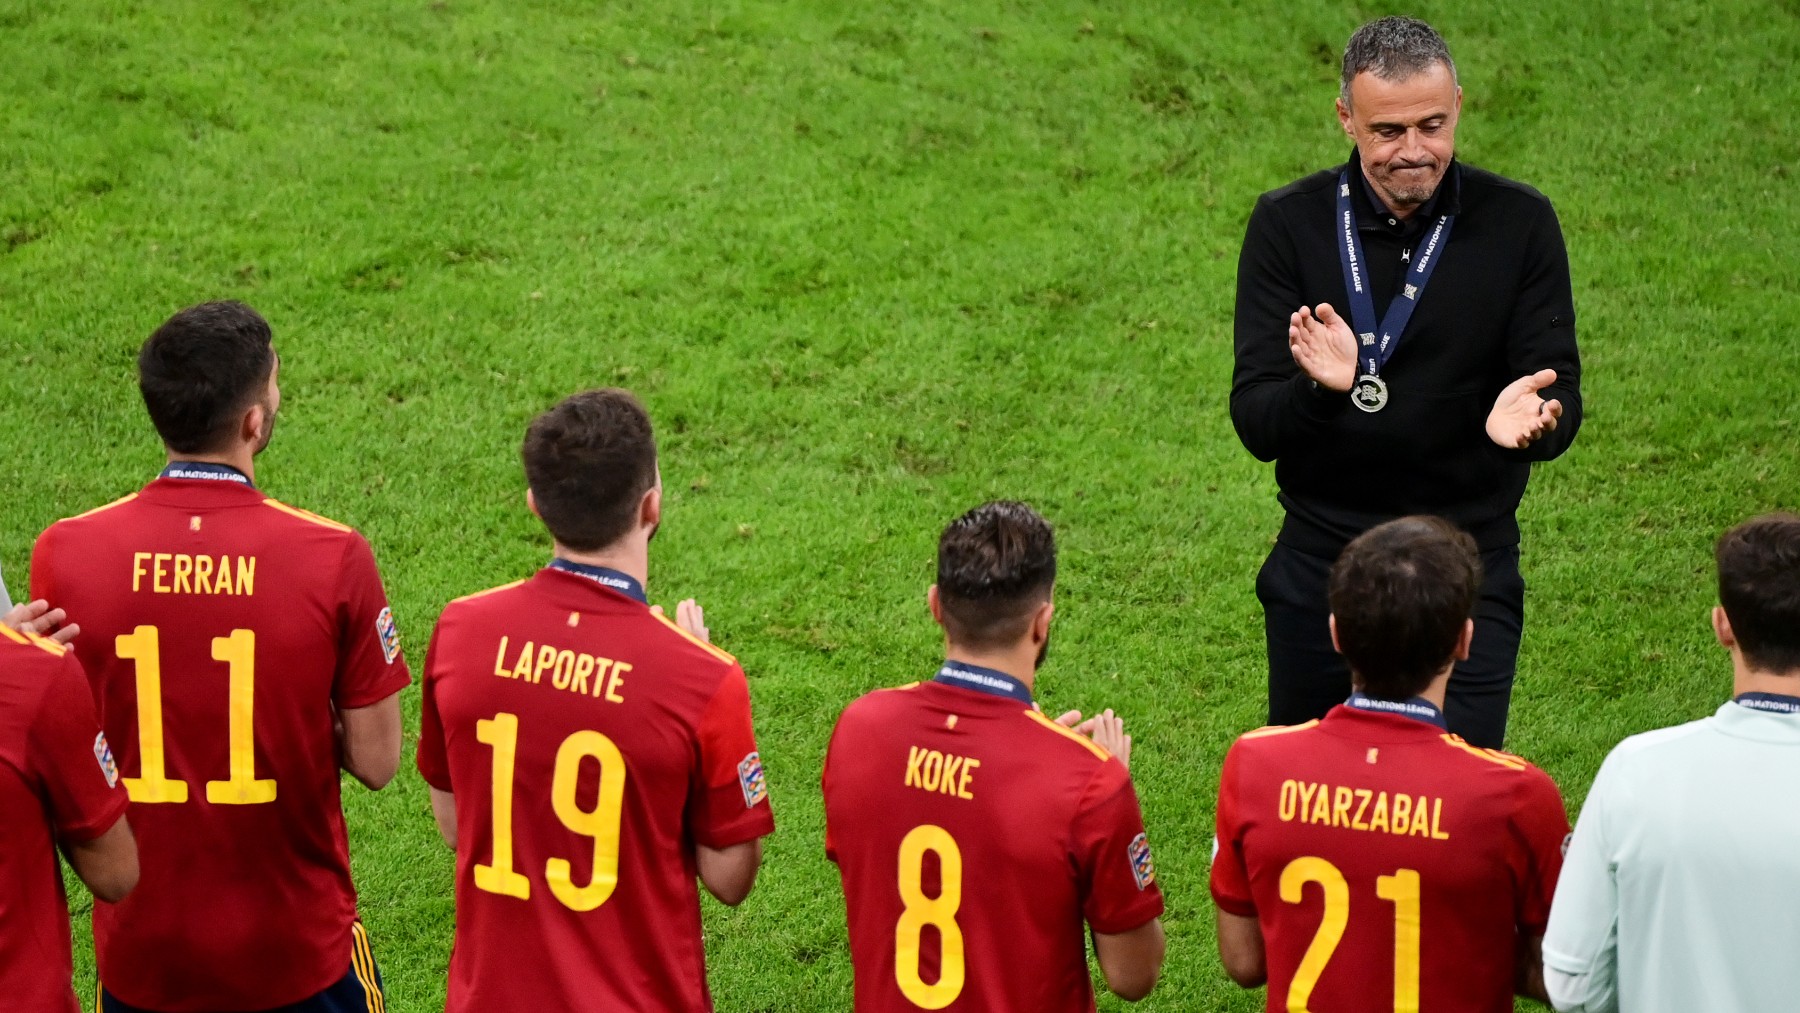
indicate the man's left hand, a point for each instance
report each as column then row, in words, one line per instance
column 39, row 619
column 1521, row 416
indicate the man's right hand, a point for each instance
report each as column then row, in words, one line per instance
column 1323, row 347
column 39, row 619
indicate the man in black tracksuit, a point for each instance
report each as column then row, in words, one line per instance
column 1482, row 380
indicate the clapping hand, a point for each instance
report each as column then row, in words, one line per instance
column 1324, row 347
column 690, row 617
column 1521, row 415
column 1105, row 728
column 39, row 619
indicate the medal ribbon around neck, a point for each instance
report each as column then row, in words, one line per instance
column 1373, row 352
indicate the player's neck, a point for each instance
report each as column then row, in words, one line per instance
column 242, row 458
column 1019, row 662
column 1745, row 679
column 630, row 557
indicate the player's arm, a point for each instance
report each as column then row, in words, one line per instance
column 1580, row 947
column 1528, row 977
column 1241, row 948
column 1131, row 961
column 108, row 864
column 370, row 738
column 729, row 873
column 443, row 809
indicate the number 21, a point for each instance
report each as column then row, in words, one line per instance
column 1401, row 889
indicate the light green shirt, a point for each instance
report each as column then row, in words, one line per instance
column 1680, row 891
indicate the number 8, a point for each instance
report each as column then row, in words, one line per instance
column 939, row 912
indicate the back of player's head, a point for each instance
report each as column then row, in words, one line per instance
column 201, row 370
column 1759, row 586
column 589, row 461
column 996, row 565
column 1401, row 593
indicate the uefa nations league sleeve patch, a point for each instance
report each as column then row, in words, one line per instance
column 103, row 755
column 1142, row 868
column 389, row 634
column 751, row 779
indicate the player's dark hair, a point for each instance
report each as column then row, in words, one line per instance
column 1393, row 49
column 201, row 370
column 1401, row 592
column 589, row 461
column 1759, row 585
column 996, row 565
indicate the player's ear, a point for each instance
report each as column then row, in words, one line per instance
column 1332, row 622
column 250, row 427
column 936, row 606
column 1722, row 628
column 1040, row 623
column 1463, row 641
column 531, row 503
column 1344, row 120
column 650, row 507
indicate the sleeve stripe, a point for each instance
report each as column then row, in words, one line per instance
column 49, row 647
column 491, row 590
column 1278, row 730
column 307, row 515
column 118, row 502
column 710, row 649
column 1073, row 736
column 1492, row 756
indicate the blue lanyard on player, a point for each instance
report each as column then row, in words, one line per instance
column 984, row 680
column 624, row 583
column 1418, row 708
column 206, row 471
column 1373, row 353
column 1774, row 703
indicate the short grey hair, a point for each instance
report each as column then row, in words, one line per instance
column 1393, row 49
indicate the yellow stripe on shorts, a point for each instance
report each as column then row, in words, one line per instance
column 362, row 961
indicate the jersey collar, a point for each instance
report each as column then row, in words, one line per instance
column 624, row 583
column 1773, row 703
column 984, row 680
column 205, row 471
column 1418, row 708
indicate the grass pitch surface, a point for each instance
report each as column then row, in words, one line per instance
column 869, row 265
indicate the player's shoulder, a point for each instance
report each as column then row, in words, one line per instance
column 879, row 705
column 666, row 634
column 1273, row 739
column 1658, row 743
column 1060, row 743
column 96, row 515
column 1484, row 186
column 1308, row 187
column 29, row 645
column 306, row 519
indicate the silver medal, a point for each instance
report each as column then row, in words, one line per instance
column 1370, row 393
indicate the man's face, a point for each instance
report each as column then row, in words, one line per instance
column 1405, row 132
column 271, row 405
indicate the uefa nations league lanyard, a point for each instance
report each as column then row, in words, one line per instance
column 624, row 583
column 1370, row 392
column 1774, row 703
column 206, row 471
column 984, row 680
column 1417, row 708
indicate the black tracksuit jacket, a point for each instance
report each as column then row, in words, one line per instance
column 1497, row 307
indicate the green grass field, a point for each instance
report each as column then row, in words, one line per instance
column 869, row 265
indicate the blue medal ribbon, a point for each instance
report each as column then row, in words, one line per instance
column 624, row 583
column 1774, row 703
column 1418, row 708
column 984, row 680
column 1374, row 352
column 205, row 471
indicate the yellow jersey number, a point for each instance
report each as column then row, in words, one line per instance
column 143, row 647
column 501, row 733
column 1401, row 889
column 938, row 912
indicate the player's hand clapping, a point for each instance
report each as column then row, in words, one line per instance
column 39, row 619
column 1105, row 728
column 1323, row 346
column 1521, row 415
column 690, row 617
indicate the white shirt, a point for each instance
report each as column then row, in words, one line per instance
column 5, row 602
column 1681, row 888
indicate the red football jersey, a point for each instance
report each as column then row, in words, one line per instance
column 590, row 744
column 57, row 782
column 1391, row 865
column 974, row 836
column 221, row 631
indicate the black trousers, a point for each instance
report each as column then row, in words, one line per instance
column 1307, row 677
